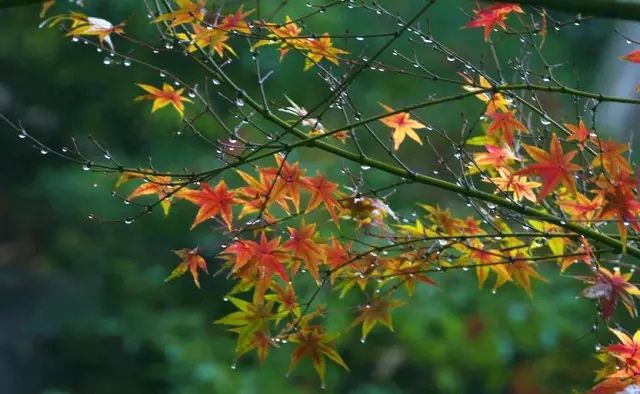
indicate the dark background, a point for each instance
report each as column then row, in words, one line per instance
column 83, row 306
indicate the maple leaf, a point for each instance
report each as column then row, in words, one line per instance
column 493, row 159
column 633, row 56
column 492, row 17
column 622, row 367
column 289, row 180
column 160, row 185
column 377, row 311
column 610, row 157
column 583, row 253
column 367, row 211
column 555, row 244
column 313, row 342
column 192, row 262
column 579, row 133
column 609, row 288
column 236, row 21
column 202, row 38
column 337, row 255
column 581, row 208
column 162, row 98
column 321, row 48
column 83, row 25
column 284, row 34
column 304, row 248
column 554, row 167
column 188, row 12
column 519, row 185
column 286, row 298
column 408, row 268
column 251, row 323
column 522, row 272
column 264, row 257
column 402, row 126
column 505, row 124
column 485, row 261
column 494, row 102
column 323, row 191
column 212, row 202
column 442, row 218
column 621, row 203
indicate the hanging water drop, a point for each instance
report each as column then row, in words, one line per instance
column 106, row 61
column 126, row 62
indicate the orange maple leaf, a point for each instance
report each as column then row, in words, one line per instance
column 554, row 167
column 610, row 157
column 579, row 133
column 265, row 258
column 162, row 98
column 505, row 124
column 236, row 21
column 581, row 208
column 304, row 248
column 192, row 262
column 160, row 185
column 212, row 202
column 320, row 48
column 519, row 185
column 323, row 191
column 402, row 126
column 188, row 12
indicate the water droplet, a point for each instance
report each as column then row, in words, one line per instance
column 365, row 167
column 126, row 62
column 191, row 94
column 360, row 38
column 233, row 366
column 363, row 340
column 22, row 136
column 215, row 81
column 128, row 221
column 162, row 74
column 43, row 151
column 106, row 61
column 545, row 121
column 90, row 216
column 86, row 167
column 168, row 45
column 451, row 58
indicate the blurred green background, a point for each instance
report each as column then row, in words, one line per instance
column 83, row 305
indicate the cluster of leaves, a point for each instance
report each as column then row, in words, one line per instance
column 571, row 183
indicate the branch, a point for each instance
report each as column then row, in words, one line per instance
column 623, row 9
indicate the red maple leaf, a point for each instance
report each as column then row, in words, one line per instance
column 554, row 167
